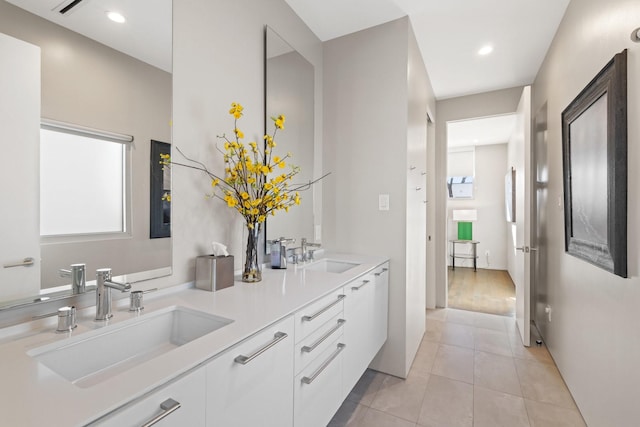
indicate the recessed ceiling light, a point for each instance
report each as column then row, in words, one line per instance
column 116, row 17
column 485, row 50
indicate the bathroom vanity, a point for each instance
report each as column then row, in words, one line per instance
column 283, row 352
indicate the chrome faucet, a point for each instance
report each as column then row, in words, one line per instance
column 78, row 277
column 306, row 254
column 103, row 292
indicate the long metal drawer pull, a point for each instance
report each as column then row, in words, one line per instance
column 357, row 288
column 309, row 380
column 27, row 262
column 383, row 270
column 277, row 337
column 310, row 348
column 168, row 407
column 313, row 316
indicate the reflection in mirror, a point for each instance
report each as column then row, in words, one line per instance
column 289, row 87
column 89, row 84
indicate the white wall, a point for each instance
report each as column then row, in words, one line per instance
column 488, row 199
column 465, row 107
column 593, row 335
column 375, row 116
column 218, row 59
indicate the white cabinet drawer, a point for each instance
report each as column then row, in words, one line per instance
column 250, row 384
column 317, row 389
column 316, row 314
column 188, row 392
column 318, row 341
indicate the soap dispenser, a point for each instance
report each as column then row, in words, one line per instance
column 279, row 252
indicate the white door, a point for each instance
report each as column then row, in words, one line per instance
column 19, row 209
column 521, row 157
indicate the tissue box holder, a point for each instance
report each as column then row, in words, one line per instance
column 214, row 272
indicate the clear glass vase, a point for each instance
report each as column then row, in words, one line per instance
column 252, row 271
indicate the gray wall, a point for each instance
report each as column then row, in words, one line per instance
column 464, row 107
column 89, row 84
column 218, row 59
column 593, row 335
column 370, row 116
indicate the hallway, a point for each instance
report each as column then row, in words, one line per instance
column 470, row 370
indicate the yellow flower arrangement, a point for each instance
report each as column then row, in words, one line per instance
column 254, row 182
column 250, row 184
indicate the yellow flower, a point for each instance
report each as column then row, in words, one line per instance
column 261, row 218
column 279, row 121
column 265, row 169
column 215, row 182
column 281, row 165
column 244, row 195
column 268, row 186
column 167, row 197
column 256, row 202
column 297, row 198
column 236, row 110
column 231, row 201
column 239, row 133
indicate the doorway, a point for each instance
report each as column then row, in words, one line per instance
column 477, row 231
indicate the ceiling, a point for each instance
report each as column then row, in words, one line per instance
column 481, row 131
column 450, row 33
column 145, row 36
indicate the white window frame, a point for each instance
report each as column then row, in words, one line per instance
column 124, row 139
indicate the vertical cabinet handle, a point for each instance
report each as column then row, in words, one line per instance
column 168, row 407
column 243, row 360
column 309, row 380
column 310, row 348
column 319, row 312
column 357, row 288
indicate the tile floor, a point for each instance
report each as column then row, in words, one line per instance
column 470, row 370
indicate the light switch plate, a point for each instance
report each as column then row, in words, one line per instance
column 383, row 202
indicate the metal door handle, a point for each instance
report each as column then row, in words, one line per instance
column 27, row 262
column 318, row 313
column 168, row 407
column 524, row 249
column 357, row 288
column 243, row 360
column 309, row 349
column 309, row 380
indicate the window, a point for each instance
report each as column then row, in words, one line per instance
column 83, row 181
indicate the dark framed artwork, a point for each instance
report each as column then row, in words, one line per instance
column 160, row 200
column 594, row 146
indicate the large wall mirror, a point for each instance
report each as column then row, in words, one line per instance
column 289, row 90
column 94, row 74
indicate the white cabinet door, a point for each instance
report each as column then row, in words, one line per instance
column 318, row 388
column 20, row 171
column 381, row 307
column 250, row 384
column 180, row 403
column 358, row 329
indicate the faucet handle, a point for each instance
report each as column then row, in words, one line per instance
column 135, row 299
column 66, row 318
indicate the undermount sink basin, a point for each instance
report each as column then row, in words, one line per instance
column 331, row 266
column 98, row 355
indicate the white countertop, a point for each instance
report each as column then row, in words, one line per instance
column 33, row 395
